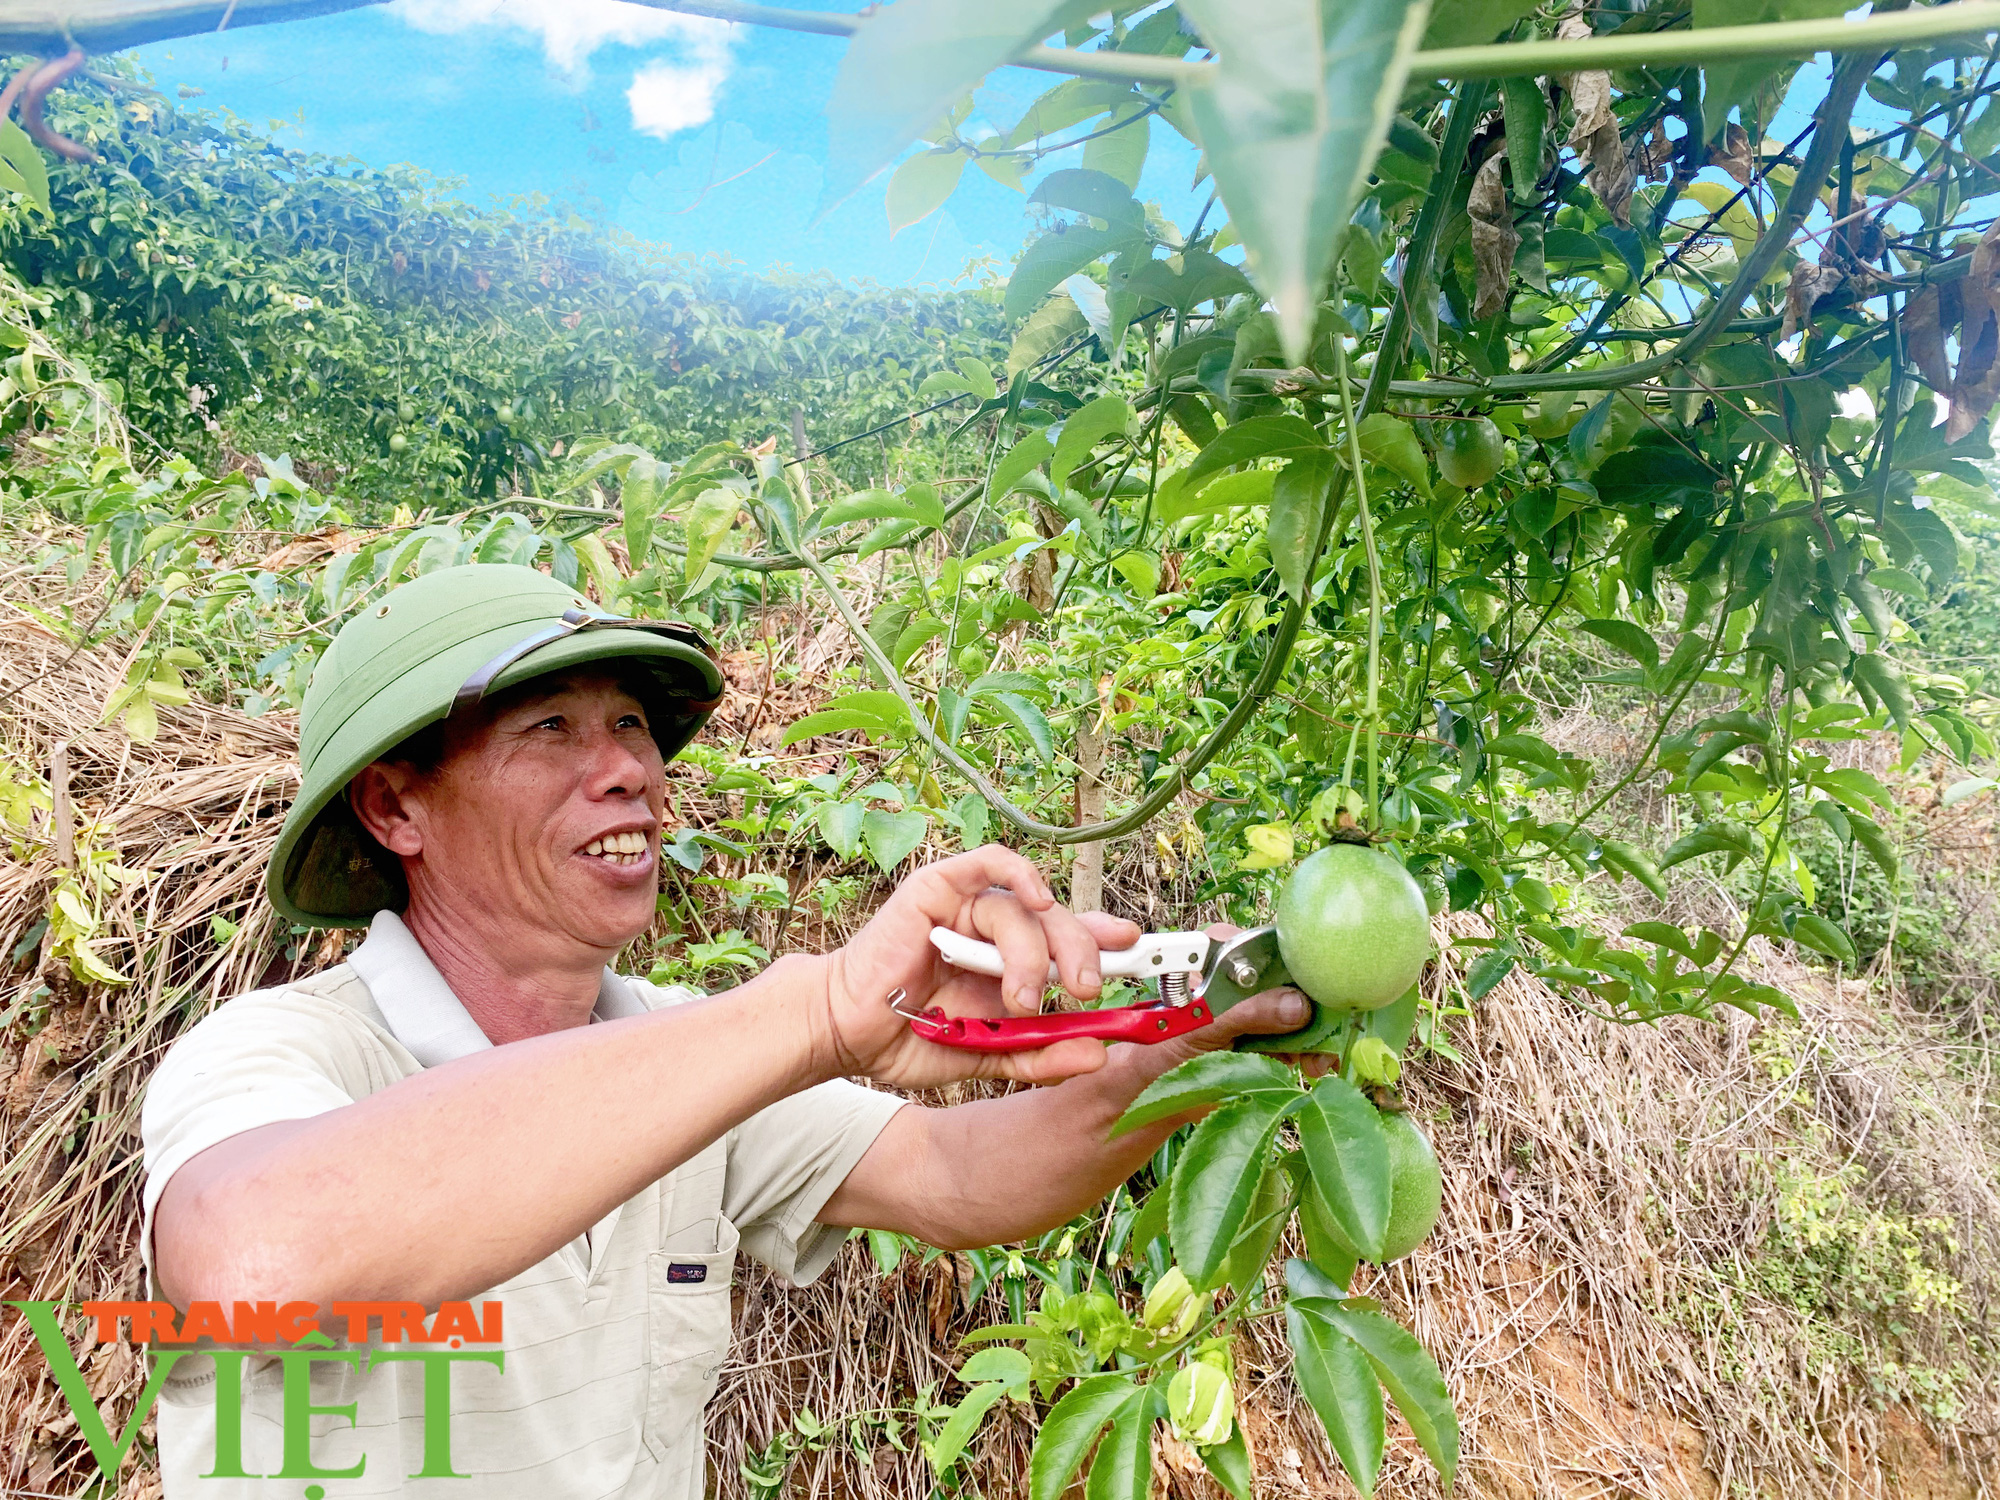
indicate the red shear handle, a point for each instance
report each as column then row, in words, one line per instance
column 1131, row 1023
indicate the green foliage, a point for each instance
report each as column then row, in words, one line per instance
column 1481, row 428
column 253, row 298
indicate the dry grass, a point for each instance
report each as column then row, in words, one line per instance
column 1600, row 1291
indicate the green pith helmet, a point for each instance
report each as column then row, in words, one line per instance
column 400, row 664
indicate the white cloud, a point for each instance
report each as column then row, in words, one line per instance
column 667, row 94
column 670, row 96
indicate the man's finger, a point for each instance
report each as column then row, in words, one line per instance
column 1111, row 932
column 1074, row 948
column 1024, row 948
column 966, row 876
column 1050, row 1064
column 1263, row 1014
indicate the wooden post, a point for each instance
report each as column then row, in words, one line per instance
column 62, row 826
column 1086, row 876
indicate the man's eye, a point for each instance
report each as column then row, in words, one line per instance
column 631, row 721
column 553, row 721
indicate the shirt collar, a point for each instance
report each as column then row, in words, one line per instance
column 420, row 1008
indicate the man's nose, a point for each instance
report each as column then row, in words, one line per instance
column 615, row 768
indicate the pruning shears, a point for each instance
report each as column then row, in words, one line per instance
column 1199, row 978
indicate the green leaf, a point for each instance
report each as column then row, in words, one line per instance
column 1123, row 1468
column 1008, row 1366
column 918, row 503
column 1526, row 110
column 1216, row 1177
column 891, row 836
column 1053, row 325
column 987, row 683
column 1340, row 1384
column 1411, row 1376
column 1069, row 1429
column 1298, row 510
column 1099, row 194
column 1392, row 443
column 639, row 500
column 1349, row 1160
column 1251, row 487
column 1854, row 787
column 1869, row 835
column 840, row 826
column 1053, row 259
column 908, row 64
column 876, row 713
column 1711, row 838
column 1628, row 638
column 1666, row 935
column 1121, row 154
column 1283, row 436
column 1029, row 719
column 1018, row 462
column 30, row 172
column 945, row 1448
column 1206, row 1079
column 1626, row 859
column 1097, row 420
column 1813, row 931
column 1141, row 572
column 708, row 521
column 1291, row 123
column 921, row 185
column 1607, row 427
column 1882, row 685
column 1229, row 1463
column 1492, row 966
column 1473, row 23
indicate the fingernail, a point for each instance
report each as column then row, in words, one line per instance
column 1292, row 1008
column 1091, row 979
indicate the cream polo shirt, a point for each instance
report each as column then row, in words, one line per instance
column 613, row 1344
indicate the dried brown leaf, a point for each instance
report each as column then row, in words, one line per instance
column 1494, row 238
column 1734, row 156
column 1809, row 283
column 1976, row 385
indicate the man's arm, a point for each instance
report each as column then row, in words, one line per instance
column 999, row 1170
column 446, row 1184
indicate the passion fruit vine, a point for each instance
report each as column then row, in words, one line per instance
column 1353, row 927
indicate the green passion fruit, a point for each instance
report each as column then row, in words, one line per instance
column 1470, row 452
column 1353, row 928
column 1416, row 1187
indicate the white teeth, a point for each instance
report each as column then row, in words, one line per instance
column 619, row 848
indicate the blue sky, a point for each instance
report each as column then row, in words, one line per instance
column 704, row 137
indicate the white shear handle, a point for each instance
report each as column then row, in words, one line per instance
column 1154, row 954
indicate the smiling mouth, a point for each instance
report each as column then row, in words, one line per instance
column 618, row 848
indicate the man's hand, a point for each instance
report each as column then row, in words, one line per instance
column 993, row 894
column 1267, row 1013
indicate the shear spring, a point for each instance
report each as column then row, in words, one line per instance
column 1174, row 987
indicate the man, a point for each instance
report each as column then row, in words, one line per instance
column 474, row 1106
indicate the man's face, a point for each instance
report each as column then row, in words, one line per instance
column 544, row 809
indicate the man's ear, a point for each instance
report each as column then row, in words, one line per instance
column 381, row 795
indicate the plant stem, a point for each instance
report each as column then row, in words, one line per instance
column 1374, row 580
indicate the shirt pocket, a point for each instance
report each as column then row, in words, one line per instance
column 687, row 1328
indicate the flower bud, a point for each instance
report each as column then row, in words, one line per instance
column 1172, row 1306
column 1202, row 1404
